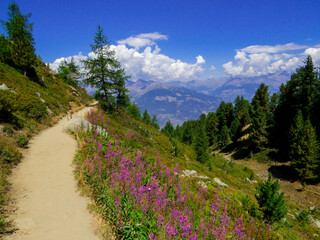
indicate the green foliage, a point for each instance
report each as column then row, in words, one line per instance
column 200, row 145
column 304, row 148
column 242, row 110
column 168, row 129
column 22, row 141
column 69, row 72
column 300, row 93
column 154, row 122
column 224, row 136
column 8, row 129
column 9, row 153
column 134, row 111
column 146, row 117
column 259, row 116
column 212, row 128
column 104, row 72
column 250, row 205
column 21, row 41
column 303, row 217
column 4, row 50
column 235, row 129
column 271, row 202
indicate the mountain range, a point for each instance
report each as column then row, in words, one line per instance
column 179, row 101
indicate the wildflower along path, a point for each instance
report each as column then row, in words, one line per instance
column 45, row 191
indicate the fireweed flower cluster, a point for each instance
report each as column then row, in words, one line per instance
column 142, row 197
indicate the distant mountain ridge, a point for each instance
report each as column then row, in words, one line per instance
column 179, row 101
column 173, row 103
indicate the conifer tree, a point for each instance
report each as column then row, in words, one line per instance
column 104, row 72
column 134, row 111
column 271, row 202
column 224, row 136
column 221, row 115
column 200, row 144
column 301, row 92
column 242, row 110
column 259, row 116
column 235, row 129
column 229, row 114
column 168, row 129
column 69, row 72
column 4, row 50
column 212, row 128
column 304, row 148
column 21, row 41
column 146, row 117
column 154, row 122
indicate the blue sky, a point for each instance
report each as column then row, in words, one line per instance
column 239, row 38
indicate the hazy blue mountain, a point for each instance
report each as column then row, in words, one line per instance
column 229, row 88
column 179, row 101
column 247, row 86
column 173, row 103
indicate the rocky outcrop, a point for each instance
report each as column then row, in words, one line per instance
column 3, row 87
column 77, row 123
column 220, row 183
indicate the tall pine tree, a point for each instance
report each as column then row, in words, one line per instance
column 303, row 148
column 21, row 41
column 259, row 116
column 104, row 72
column 200, row 144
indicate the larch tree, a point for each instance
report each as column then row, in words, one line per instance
column 104, row 72
column 19, row 35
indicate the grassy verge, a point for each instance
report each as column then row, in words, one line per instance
column 134, row 176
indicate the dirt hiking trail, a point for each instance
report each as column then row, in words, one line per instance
column 44, row 189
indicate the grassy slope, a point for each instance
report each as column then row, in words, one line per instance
column 153, row 141
column 23, row 114
column 240, row 192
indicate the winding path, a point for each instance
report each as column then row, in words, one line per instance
column 45, row 191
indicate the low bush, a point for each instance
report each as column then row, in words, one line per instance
column 22, row 141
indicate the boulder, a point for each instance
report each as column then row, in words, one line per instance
column 202, row 184
column 220, row 183
column 77, row 123
column 189, row 173
column 3, row 87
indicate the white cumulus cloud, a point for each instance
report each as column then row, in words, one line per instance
column 151, row 64
column 147, row 63
column 259, row 60
column 142, row 40
column 76, row 58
